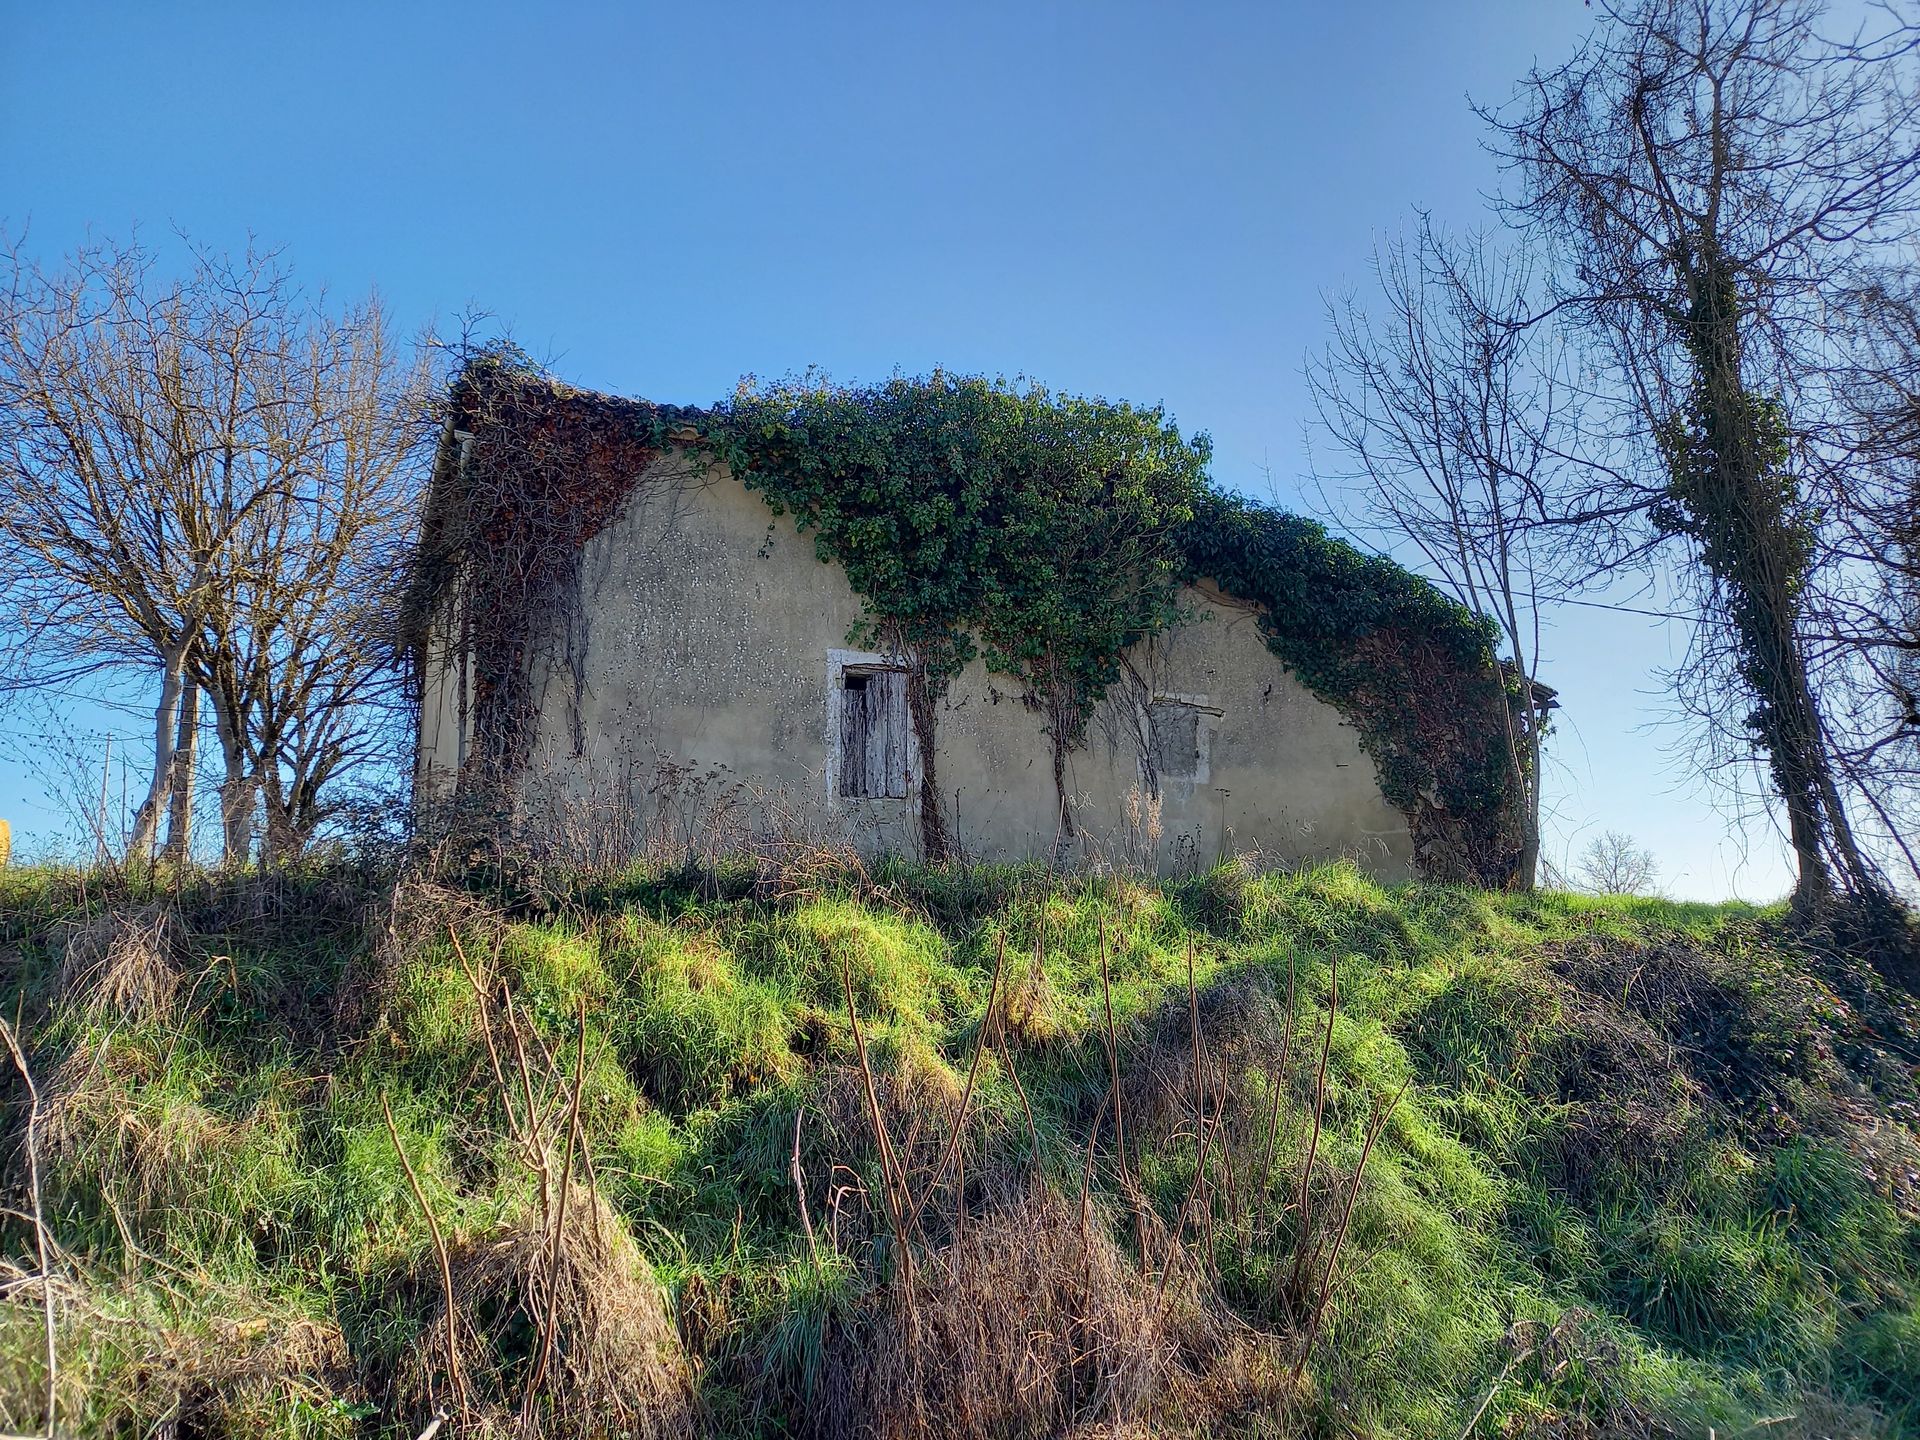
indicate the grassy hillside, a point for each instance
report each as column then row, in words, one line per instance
column 1090, row 1161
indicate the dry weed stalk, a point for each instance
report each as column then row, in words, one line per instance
column 1374, row 1127
column 800, row 1192
column 1204, row 1139
column 892, row 1180
column 439, row 1254
column 1279, row 1079
column 1026, row 1106
column 41, row 1241
column 966, row 1096
column 1304, row 1244
column 1127, row 1185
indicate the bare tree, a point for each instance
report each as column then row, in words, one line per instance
column 1715, row 173
column 1615, row 863
column 300, row 678
column 193, row 474
column 1453, row 415
column 1864, row 605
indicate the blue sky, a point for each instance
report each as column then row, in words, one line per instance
column 1144, row 201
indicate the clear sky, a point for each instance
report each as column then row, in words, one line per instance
column 1146, row 201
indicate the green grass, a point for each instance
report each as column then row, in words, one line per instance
column 1652, row 1172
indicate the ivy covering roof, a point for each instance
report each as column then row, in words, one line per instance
column 1044, row 533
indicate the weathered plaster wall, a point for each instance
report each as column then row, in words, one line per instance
column 440, row 753
column 704, row 664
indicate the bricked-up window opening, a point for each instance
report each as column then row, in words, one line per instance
column 1177, row 737
column 873, row 734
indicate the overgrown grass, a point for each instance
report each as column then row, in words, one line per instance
column 1651, row 1169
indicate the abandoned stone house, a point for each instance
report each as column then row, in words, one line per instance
column 687, row 665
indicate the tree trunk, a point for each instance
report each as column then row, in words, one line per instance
column 146, row 823
column 236, row 790
column 1799, row 764
column 1742, row 517
column 1064, row 733
column 303, row 814
column 186, row 748
column 921, row 709
column 1527, row 872
column 1523, row 768
column 280, row 840
column 236, row 819
column 1064, row 834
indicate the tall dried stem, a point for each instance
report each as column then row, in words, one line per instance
column 1279, row 1079
column 40, row 1241
column 1119, row 1108
column 800, row 1191
column 559, row 1220
column 1026, row 1107
column 1205, row 1143
column 1378, row 1124
column 893, row 1179
column 966, row 1096
column 439, row 1255
column 1313, row 1145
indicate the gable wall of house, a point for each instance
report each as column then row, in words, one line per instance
column 708, row 683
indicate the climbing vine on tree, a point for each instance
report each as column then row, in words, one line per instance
column 1732, row 492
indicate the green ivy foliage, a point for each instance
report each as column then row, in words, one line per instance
column 979, row 516
column 1410, row 667
column 1050, row 532
column 1046, row 534
column 1727, row 521
column 1755, row 533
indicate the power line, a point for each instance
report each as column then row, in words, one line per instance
column 123, row 706
column 1621, row 609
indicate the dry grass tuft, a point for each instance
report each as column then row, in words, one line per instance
column 795, row 867
column 1028, row 1012
column 161, row 1163
column 1031, row 1322
column 125, row 963
column 128, row 1369
column 919, row 1095
column 415, row 914
column 1242, row 1027
column 242, row 1375
column 616, row 1364
column 920, row 1100
column 1821, row 1417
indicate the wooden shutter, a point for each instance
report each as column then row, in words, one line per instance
column 856, row 721
column 889, row 733
column 873, row 734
